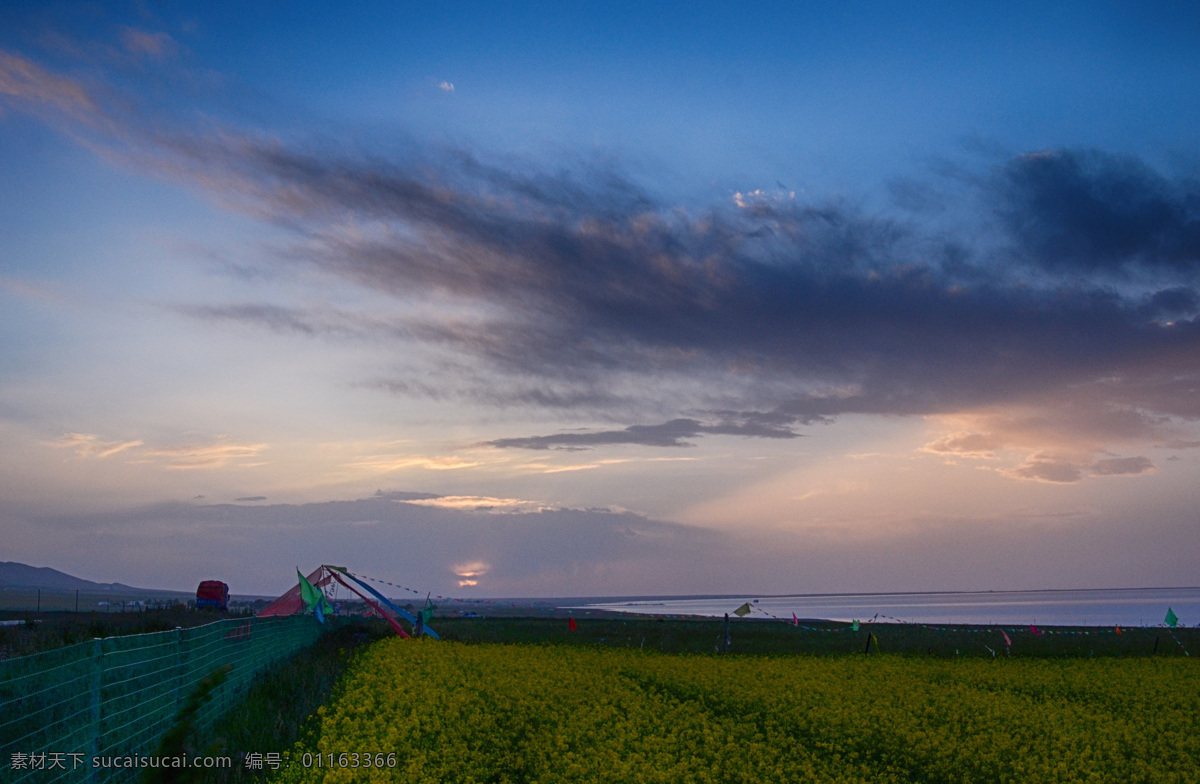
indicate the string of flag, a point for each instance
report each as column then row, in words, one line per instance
column 1170, row 621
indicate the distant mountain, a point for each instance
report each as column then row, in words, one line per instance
column 19, row 575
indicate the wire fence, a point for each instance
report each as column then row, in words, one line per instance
column 65, row 712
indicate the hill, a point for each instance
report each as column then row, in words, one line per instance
column 19, row 575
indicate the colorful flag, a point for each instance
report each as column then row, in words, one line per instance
column 314, row 598
column 743, row 611
column 1172, row 619
column 571, row 624
column 1007, row 641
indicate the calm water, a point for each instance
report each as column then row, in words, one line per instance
column 1127, row 607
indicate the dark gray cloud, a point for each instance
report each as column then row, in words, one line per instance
column 392, row 535
column 675, row 433
column 585, row 277
column 1091, row 211
column 1082, row 276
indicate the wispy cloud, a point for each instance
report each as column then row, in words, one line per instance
column 30, row 86
column 150, row 44
column 89, row 445
column 1066, row 469
column 480, row 504
column 209, row 455
column 669, row 434
column 385, row 463
column 213, row 455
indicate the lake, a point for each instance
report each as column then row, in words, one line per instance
column 1099, row 607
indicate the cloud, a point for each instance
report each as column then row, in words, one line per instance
column 1045, row 468
column 966, row 444
column 1122, row 466
column 89, row 445
column 386, row 463
column 1062, row 441
column 28, row 85
column 1089, row 210
column 148, row 44
column 212, row 455
column 518, row 552
column 669, row 434
column 1079, row 283
column 1067, row 470
column 204, row 456
column 1180, row 443
column 480, row 504
column 446, row 86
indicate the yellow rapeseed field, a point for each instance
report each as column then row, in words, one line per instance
column 422, row 711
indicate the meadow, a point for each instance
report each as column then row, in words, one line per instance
column 420, row 711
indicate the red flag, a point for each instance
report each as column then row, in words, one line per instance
column 795, row 620
column 571, row 624
column 1007, row 641
column 1033, row 629
column 1118, row 630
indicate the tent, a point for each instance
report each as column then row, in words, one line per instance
column 293, row 603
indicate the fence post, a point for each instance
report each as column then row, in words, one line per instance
column 180, row 667
column 97, row 681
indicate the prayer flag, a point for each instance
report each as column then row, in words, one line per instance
column 1119, row 630
column 571, row 624
column 795, row 620
column 1007, row 641
column 1172, row 619
column 854, row 626
column 874, row 639
column 743, row 611
column 1033, row 629
column 314, row 598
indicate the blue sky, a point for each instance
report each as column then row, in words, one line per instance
column 601, row 299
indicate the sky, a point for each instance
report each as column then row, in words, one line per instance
column 584, row 299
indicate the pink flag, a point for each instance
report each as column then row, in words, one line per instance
column 1033, row 629
column 795, row 620
column 1007, row 641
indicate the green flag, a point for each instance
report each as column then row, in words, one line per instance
column 1172, row 619
column 854, row 626
column 743, row 610
column 313, row 597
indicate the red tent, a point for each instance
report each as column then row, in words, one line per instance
column 291, row 603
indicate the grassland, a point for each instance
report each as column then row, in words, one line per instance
column 456, row 712
column 761, row 637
